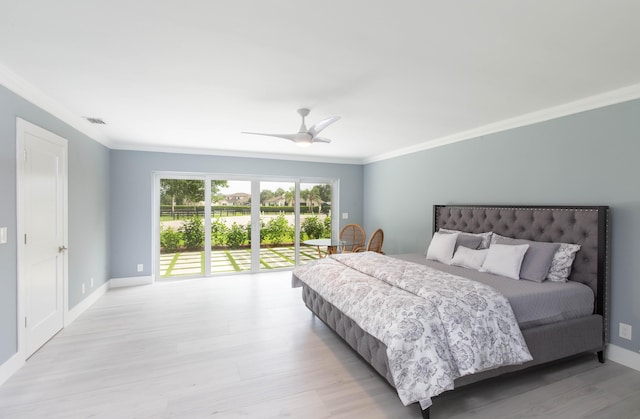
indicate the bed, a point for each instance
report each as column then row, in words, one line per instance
column 546, row 335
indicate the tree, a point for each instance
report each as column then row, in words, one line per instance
column 290, row 196
column 266, row 195
column 324, row 191
column 304, row 194
column 215, row 188
column 313, row 198
column 178, row 191
column 186, row 191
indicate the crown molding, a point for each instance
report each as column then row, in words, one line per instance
column 26, row 90
column 235, row 153
column 612, row 97
column 29, row 92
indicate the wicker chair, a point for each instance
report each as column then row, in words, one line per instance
column 352, row 237
column 375, row 241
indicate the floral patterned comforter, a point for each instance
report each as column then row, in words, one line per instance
column 436, row 326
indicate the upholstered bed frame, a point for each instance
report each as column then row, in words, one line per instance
column 587, row 226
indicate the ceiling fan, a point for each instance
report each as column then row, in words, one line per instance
column 304, row 137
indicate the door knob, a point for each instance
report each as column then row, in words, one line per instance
column 62, row 249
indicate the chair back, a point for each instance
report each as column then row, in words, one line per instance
column 352, row 237
column 375, row 241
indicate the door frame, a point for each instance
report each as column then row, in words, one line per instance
column 22, row 127
column 255, row 212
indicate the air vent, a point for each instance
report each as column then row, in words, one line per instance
column 98, row 121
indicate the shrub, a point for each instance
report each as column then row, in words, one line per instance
column 170, row 239
column 313, row 227
column 193, row 233
column 236, row 236
column 327, row 227
column 219, row 231
column 278, row 230
column 248, row 228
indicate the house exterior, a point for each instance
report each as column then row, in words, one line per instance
column 238, row 198
column 276, row 201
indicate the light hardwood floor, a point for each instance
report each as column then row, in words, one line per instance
column 246, row 347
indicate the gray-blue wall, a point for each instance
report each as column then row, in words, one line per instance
column 88, row 204
column 132, row 189
column 588, row 158
column 591, row 158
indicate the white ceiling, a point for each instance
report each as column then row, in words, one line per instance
column 189, row 75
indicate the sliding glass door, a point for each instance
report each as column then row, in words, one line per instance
column 230, row 226
column 210, row 225
column 316, row 227
column 277, row 225
column 181, row 226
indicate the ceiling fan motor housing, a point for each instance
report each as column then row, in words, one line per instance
column 304, row 137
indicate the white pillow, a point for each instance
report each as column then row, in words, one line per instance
column 441, row 247
column 469, row 258
column 505, row 260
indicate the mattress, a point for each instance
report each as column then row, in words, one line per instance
column 533, row 303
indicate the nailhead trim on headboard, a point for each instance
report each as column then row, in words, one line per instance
column 584, row 225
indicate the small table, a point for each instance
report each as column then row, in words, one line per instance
column 331, row 245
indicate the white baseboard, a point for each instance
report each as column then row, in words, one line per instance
column 624, row 356
column 83, row 305
column 133, row 281
column 11, row 366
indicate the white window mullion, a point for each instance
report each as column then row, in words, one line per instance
column 207, row 226
column 296, row 212
column 335, row 208
column 255, row 225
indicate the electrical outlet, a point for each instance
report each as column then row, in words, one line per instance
column 345, row 215
column 83, row 287
column 625, row 331
column 140, row 267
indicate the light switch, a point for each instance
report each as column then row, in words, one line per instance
column 3, row 235
column 345, row 215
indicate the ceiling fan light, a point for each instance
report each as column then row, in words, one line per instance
column 303, row 139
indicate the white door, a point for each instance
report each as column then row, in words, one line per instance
column 42, row 184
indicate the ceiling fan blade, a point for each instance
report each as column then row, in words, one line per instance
column 290, row 137
column 315, row 130
column 320, row 140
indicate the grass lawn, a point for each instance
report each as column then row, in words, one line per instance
column 226, row 261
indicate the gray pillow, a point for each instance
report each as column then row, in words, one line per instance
column 486, row 237
column 537, row 260
column 467, row 240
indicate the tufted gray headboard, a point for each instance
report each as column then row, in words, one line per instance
column 586, row 226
